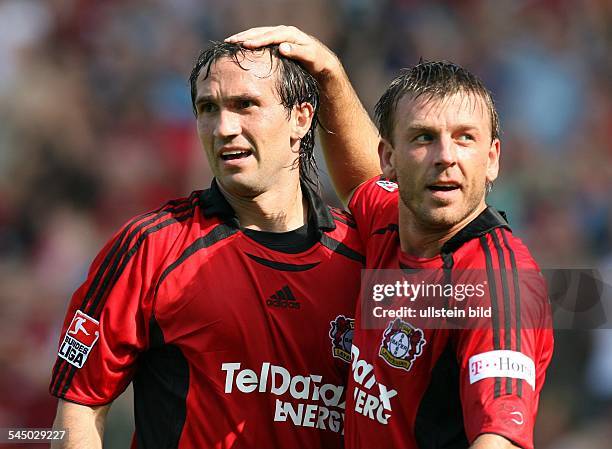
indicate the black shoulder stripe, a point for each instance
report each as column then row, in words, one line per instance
column 517, row 303
column 506, row 295
column 341, row 248
column 110, row 280
column 154, row 216
column 350, row 224
column 56, row 367
column 282, row 266
column 494, row 306
column 342, row 217
column 58, row 374
column 391, row 227
column 110, row 256
column 113, row 274
column 92, row 309
column 220, row 232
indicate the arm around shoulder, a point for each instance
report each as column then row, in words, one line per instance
column 84, row 425
column 349, row 139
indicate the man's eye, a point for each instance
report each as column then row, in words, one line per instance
column 466, row 137
column 245, row 104
column 207, row 108
column 423, row 138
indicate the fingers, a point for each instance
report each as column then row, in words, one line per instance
column 286, row 49
column 304, row 53
column 245, row 35
column 262, row 36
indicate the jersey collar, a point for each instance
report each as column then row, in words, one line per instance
column 213, row 204
column 489, row 219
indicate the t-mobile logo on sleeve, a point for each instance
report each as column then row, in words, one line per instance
column 502, row 364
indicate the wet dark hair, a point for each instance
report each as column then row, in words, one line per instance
column 294, row 87
column 435, row 80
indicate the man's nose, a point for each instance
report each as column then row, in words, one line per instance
column 228, row 124
column 446, row 152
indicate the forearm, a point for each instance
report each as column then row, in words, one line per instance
column 348, row 137
column 490, row 441
column 84, row 425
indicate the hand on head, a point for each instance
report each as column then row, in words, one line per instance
column 293, row 43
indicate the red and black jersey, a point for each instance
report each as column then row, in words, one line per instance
column 232, row 338
column 416, row 387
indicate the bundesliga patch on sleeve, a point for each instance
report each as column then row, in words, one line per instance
column 389, row 186
column 502, row 364
column 80, row 337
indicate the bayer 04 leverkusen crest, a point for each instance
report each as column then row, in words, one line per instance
column 341, row 334
column 401, row 344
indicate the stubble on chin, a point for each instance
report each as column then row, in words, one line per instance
column 435, row 218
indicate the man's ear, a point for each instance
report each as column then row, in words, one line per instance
column 385, row 154
column 301, row 119
column 493, row 160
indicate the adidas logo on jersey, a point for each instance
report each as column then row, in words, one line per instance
column 283, row 298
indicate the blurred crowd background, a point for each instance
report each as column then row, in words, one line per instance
column 96, row 126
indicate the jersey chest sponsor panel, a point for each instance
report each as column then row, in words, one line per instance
column 228, row 341
column 411, row 387
column 267, row 332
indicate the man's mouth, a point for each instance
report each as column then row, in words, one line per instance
column 235, row 154
column 443, row 187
